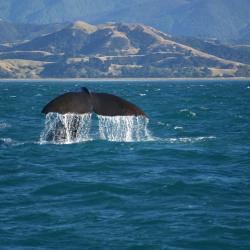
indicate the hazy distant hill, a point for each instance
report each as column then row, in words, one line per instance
column 239, row 53
column 11, row 32
column 115, row 50
column 223, row 19
column 244, row 35
column 51, row 11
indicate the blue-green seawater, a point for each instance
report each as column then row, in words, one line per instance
column 187, row 188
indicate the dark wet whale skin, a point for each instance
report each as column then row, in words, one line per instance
column 87, row 102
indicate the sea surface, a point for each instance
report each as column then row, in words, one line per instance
column 183, row 183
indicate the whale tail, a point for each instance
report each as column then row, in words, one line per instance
column 87, row 102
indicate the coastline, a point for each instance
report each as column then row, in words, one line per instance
column 123, row 79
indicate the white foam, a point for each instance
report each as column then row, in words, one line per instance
column 4, row 125
column 190, row 139
column 188, row 112
column 6, row 140
column 178, row 127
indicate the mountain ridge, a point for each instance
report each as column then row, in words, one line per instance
column 112, row 50
column 223, row 19
column 16, row 32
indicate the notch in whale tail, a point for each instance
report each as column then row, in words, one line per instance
column 84, row 89
column 85, row 102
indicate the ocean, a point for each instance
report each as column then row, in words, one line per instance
column 181, row 181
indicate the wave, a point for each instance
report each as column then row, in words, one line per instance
column 190, row 139
column 188, row 112
column 5, row 142
column 178, row 128
column 4, row 125
column 8, row 142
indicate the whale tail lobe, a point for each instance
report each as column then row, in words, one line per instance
column 87, row 102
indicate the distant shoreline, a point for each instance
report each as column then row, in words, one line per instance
column 125, row 79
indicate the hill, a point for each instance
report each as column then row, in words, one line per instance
column 235, row 52
column 244, row 35
column 223, row 19
column 112, row 50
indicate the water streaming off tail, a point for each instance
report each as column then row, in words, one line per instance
column 123, row 128
column 67, row 128
column 71, row 128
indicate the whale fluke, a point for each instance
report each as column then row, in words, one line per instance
column 72, row 102
column 87, row 102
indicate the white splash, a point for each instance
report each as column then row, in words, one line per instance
column 178, row 128
column 190, row 139
column 124, row 128
column 6, row 141
column 188, row 112
column 73, row 128
column 4, row 125
column 66, row 129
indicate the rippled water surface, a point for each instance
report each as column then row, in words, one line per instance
column 186, row 186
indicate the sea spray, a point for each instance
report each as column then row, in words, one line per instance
column 66, row 128
column 123, row 128
column 72, row 128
